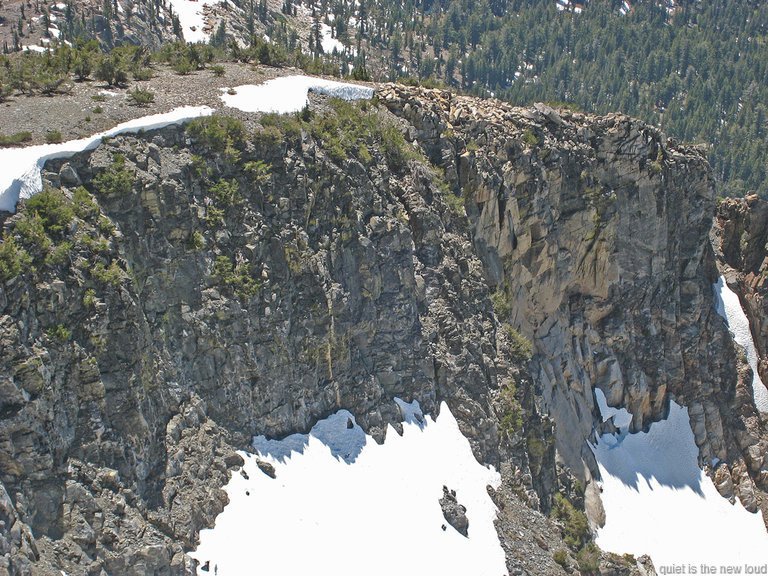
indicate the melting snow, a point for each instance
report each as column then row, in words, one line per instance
column 328, row 42
column 326, row 514
column 659, row 502
column 190, row 13
column 728, row 306
column 20, row 177
column 289, row 94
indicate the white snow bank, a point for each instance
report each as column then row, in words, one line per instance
column 379, row 515
column 658, row 502
column 190, row 13
column 728, row 306
column 289, row 94
column 328, row 42
column 20, row 174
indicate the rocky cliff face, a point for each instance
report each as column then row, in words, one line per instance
column 739, row 239
column 594, row 232
column 176, row 292
column 181, row 291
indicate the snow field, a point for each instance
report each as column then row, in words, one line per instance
column 190, row 13
column 289, row 94
column 659, row 502
column 377, row 515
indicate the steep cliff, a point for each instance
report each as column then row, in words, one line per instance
column 172, row 294
column 594, row 234
column 176, row 292
column 739, row 238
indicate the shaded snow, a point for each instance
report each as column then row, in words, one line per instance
column 379, row 515
column 20, row 177
column 621, row 418
column 411, row 412
column 659, row 502
column 728, row 306
column 339, row 432
column 289, row 94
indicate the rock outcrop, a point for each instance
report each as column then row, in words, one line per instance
column 206, row 286
column 252, row 275
column 594, row 233
column 739, row 237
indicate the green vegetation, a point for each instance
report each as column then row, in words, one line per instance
column 112, row 71
column 520, row 347
column 536, row 452
column 698, row 72
column 218, row 70
column 502, row 303
column 111, row 274
column 530, row 139
column 227, row 193
column 59, row 254
column 561, row 556
column 89, row 298
column 577, row 533
column 53, row 137
column 258, row 170
column 511, row 419
column 600, row 201
column 30, row 227
column 115, row 180
column 238, row 277
column 353, row 130
column 140, row 97
column 13, row 258
column 54, row 210
column 15, row 139
column 197, row 241
column 84, row 205
column 59, row 333
column 588, row 559
column 217, row 133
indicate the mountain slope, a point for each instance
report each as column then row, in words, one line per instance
column 176, row 292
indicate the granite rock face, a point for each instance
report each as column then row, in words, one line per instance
column 182, row 316
column 593, row 232
column 208, row 290
column 739, row 239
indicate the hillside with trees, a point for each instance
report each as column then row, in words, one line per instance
column 697, row 69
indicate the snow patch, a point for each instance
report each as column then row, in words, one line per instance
column 321, row 515
column 20, row 177
column 410, row 411
column 621, row 417
column 190, row 13
column 339, row 432
column 289, row 94
column 659, row 502
column 728, row 306
column 328, row 42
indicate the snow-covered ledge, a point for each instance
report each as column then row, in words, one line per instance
column 20, row 167
column 290, row 94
